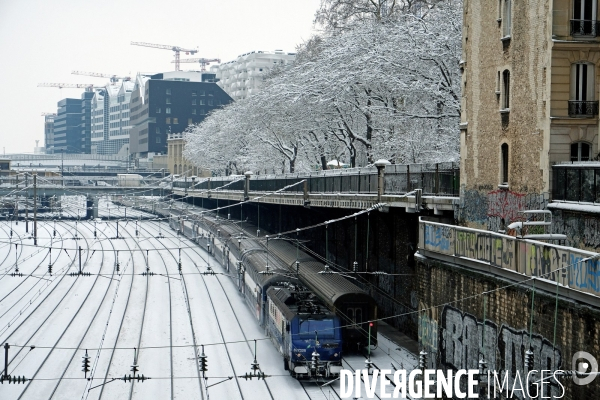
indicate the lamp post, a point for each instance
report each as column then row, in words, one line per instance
column 380, row 164
column 248, row 175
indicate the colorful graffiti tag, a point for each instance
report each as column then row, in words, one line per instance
column 463, row 341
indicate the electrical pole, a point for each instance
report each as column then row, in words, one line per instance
column 17, row 200
column 35, row 209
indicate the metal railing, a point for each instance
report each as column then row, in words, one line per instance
column 440, row 179
column 583, row 108
column 578, row 181
column 584, row 27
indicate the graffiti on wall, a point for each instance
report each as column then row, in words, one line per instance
column 463, row 341
column 504, row 207
column 505, row 204
column 439, row 238
column 581, row 230
column 428, row 337
column 496, row 208
column 550, row 262
column 569, row 267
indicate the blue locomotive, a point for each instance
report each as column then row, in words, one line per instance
column 304, row 331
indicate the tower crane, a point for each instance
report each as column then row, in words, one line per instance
column 176, row 49
column 113, row 78
column 203, row 61
column 89, row 87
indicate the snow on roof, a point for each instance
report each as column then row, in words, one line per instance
column 593, row 208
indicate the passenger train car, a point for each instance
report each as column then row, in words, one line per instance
column 267, row 291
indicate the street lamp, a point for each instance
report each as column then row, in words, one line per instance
column 380, row 164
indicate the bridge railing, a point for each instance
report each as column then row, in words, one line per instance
column 435, row 179
column 567, row 266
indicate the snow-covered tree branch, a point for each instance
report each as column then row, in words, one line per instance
column 382, row 88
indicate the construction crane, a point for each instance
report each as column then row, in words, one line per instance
column 176, row 49
column 89, row 87
column 203, row 62
column 113, row 78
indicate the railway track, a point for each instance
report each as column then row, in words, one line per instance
column 37, row 332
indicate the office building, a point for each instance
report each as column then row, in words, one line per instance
column 168, row 103
column 110, row 118
column 244, row 76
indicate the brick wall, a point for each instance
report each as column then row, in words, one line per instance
column 451, row 328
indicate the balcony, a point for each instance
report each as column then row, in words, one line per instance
column 577, row 181
column 584, row 27
column 584, row 109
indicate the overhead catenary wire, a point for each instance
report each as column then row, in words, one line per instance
column 408, row 313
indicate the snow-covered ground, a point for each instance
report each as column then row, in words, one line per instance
column 157, row 321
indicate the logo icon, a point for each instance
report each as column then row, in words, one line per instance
column 583, row 364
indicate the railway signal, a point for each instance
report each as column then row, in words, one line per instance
column 85, row 367
column 50, row 262
column 5, row 376
column 179, row 262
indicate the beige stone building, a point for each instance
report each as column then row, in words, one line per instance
column 177, row 164
column 529, row 101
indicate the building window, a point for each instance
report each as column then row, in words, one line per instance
column 506, row 89
column 580, row 151
column 190, row 122
column 158, row 139
column 582, row 92
column 194, row 93
column 210, row 102
column 168, row 121
column 168, row 92
column 202, row 102
column 193, row 102
column 202, row 93
column 193, row 111
column 175, row 120
column 506, row 19
column 158, row 110
column 168, row 100
column 584, row 18
column 202, row 112
column 157, row 129
column 218, row 102
column 168, row 110
column 210, row 93
column 504, row 166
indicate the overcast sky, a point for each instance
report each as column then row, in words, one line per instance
column 43, row 41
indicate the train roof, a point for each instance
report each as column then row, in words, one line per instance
column 289, row 303
column 330, row 287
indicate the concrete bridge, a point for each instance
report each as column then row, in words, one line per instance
column 411, row 187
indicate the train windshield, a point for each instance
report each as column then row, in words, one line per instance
column 324, row 327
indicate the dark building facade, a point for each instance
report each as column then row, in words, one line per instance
column 86, row 122
column 49, row 133
column 67, row 132
column 72, row 125
column 169, row 103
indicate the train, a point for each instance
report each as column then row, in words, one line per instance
column 312, row 315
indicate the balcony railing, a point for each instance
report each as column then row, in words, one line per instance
column 583, row 108
column 584, row 27
column 578, row 181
